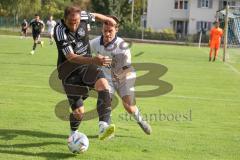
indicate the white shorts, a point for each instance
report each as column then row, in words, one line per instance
column 50, row 32
column 123, row 84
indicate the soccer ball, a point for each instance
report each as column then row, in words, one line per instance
column 78, row 143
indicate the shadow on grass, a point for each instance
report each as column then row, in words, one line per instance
column 139, row 54
column 7, row 134
column 15, row 149
column 47, row 155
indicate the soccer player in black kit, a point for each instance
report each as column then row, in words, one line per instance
column 37, row 28
column 78, row 69
column 24, row 28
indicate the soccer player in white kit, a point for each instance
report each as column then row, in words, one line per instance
column 51, row 24
column 120, row 75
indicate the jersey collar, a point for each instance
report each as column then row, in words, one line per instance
column 110, row 43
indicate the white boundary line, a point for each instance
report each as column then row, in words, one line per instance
column 202, row 98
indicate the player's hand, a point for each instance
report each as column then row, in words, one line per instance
column 102, row 60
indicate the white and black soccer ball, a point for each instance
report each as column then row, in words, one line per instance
column 78, row 143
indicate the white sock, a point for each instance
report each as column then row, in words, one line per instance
column 137, row 115
column 102, row 126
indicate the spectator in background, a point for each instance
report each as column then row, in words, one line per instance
column 51, row 24
column 24, row 26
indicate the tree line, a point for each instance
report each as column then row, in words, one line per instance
column 20, row 9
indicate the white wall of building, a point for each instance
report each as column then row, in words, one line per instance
column 161, row 14
column 158, row 16
column 201, row 14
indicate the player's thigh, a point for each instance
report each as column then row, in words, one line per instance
column 94, row 77
column 126, row 88
column 213, row 45
column 76, row 91
column 217, row 46
column 36, row 36
column 102, row 84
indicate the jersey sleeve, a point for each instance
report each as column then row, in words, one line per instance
column 93, row 45
column 128, row 57
column 211, row 34
column 61, row 40
column 221, row 34
column 127, row 52
column 31, row 22
column 43, row 24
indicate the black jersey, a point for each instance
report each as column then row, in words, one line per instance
column 24, row 25
column 73, row 42
column 37, row 26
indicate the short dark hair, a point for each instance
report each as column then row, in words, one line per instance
column 115, row 19
column 71, row 9
column 216, row 22
column 36, row 15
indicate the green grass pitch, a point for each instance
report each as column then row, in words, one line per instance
column 207, row 94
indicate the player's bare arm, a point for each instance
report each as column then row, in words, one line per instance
column 103, row 18
column 97, row 60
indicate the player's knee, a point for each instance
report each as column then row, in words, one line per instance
column 128, row 104
column 128, row 107
column 102, row 84
column 78, row 113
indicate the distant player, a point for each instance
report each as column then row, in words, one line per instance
column 51, row 24
column 37, row 28
column 24, row 26
column 121, row 76
column 215, row 40
column 71, row 37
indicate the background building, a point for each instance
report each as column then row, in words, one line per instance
column 184, row 16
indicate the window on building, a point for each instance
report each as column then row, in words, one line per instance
column 180, row 27
column 223, row 3
column 176, row 4
column 181, row 4
column 203, row 26
column 204, row 3
column 185, row 4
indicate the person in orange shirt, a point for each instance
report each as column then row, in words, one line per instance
column 215, row 40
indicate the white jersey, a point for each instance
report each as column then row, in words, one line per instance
column 117, row 49
column 51, row 24
column 121, row 58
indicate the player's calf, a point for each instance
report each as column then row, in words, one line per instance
column 106, row 130
column 135, row 112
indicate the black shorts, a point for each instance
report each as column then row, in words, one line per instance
column 24, row 31
column 80, row 82
column 36, row 35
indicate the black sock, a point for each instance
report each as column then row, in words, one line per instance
column 34, row 46
column 210, row 59
column 74, row 123
column 104, row 106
